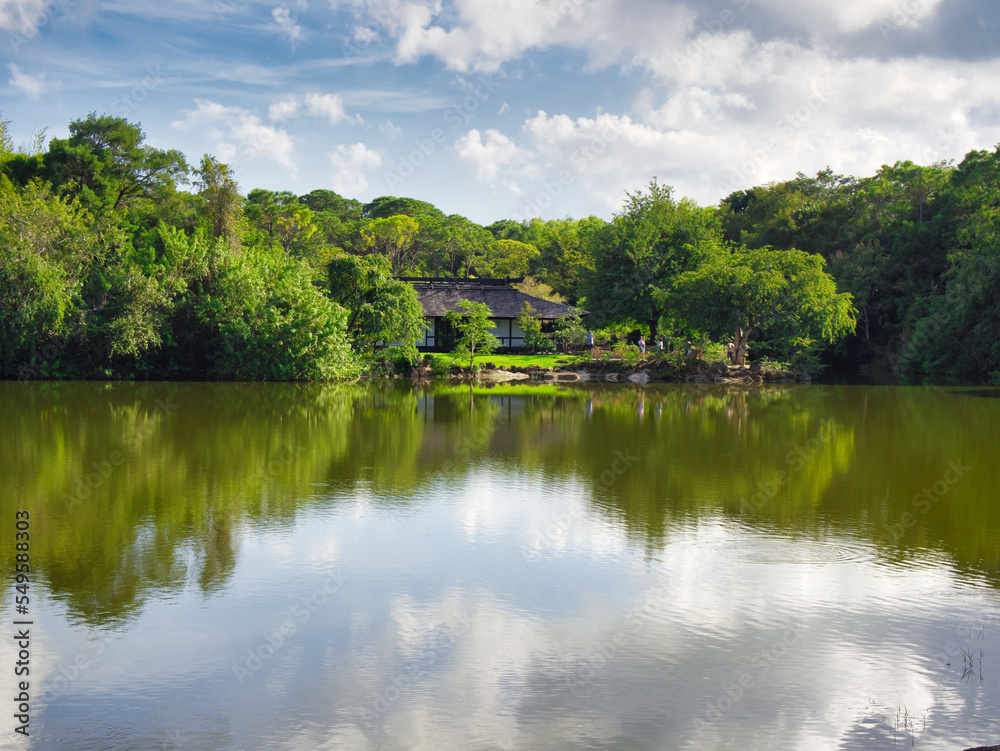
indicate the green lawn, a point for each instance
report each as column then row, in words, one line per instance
column 445, row 361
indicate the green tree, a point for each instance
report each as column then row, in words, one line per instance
column 956, row 331
column 784, row 296
column 105, row 161
column 506, row 258
column 531, row 325
column 223, row 203
column 391, row 237
column 652, row 241
column 380, row 308
column 271, row 322
column 45, row 250
column 474, row 328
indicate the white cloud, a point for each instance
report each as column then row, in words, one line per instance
column 281, row 111
column 364, row 35
column 490, row 155
column 350, row 164
column 23, row 16
column 480, row 34
column 330, row 106
column 241, row 134
column 286, row 24
column 390, row 130
column 853, row 15
column 32, row 86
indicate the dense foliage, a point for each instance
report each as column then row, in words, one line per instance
column 110, row 268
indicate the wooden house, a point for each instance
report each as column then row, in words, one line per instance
column 440, row 296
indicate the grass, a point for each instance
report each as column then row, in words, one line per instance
column 443, row 362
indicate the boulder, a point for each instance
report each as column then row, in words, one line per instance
column 718, row 368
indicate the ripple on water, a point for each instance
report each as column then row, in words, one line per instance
column 781, row 550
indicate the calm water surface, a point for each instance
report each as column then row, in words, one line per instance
column 243, row 567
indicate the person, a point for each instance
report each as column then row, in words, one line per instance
column 731, row 353
column 590, row 340
column 687, row 348
column 659, row 343
column 642, row 344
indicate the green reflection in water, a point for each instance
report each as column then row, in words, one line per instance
column 136, row 489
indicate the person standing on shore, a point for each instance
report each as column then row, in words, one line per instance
column 642, row 344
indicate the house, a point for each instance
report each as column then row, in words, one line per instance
column 440, row 296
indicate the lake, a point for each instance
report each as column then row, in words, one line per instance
column 243, row 567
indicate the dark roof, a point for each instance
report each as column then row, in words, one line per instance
column 439, row 298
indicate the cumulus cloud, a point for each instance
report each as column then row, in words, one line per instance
column 283, row 110
column 32, row 86
column 350, row 164
column 728, row 96
column 330, row 106
column 390, row 130
column 22, row 16
column 287, row 25
column 490, row 155
column 240, row 134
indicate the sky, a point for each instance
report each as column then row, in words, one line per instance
column 512, row 109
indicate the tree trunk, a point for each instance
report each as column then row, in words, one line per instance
column 740, row 339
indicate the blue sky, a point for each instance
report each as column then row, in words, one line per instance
column 516, row 108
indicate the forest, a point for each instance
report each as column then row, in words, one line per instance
column 119, row 260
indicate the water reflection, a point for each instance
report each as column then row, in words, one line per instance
column 140, row 488
column 389, row 566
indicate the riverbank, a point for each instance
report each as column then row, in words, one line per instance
column 651, row 369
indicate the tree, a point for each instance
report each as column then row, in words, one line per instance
column 651, row 242
column 391, row 237
column 288, row 222
column 506, row 258
column 784, row 296
column 45, row 248
column 105, row 159
column 380, row 309
column 531, row 325
column 223, row 203
column 473, row 326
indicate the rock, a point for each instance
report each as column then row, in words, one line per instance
column 718, row 368
column 639, row 378
column 505, row 375
column 612, row 377
column 561, row 362
column 582, row 376
column 567, row 377
column 755, row 366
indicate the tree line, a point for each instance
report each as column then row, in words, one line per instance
column 109, row 268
